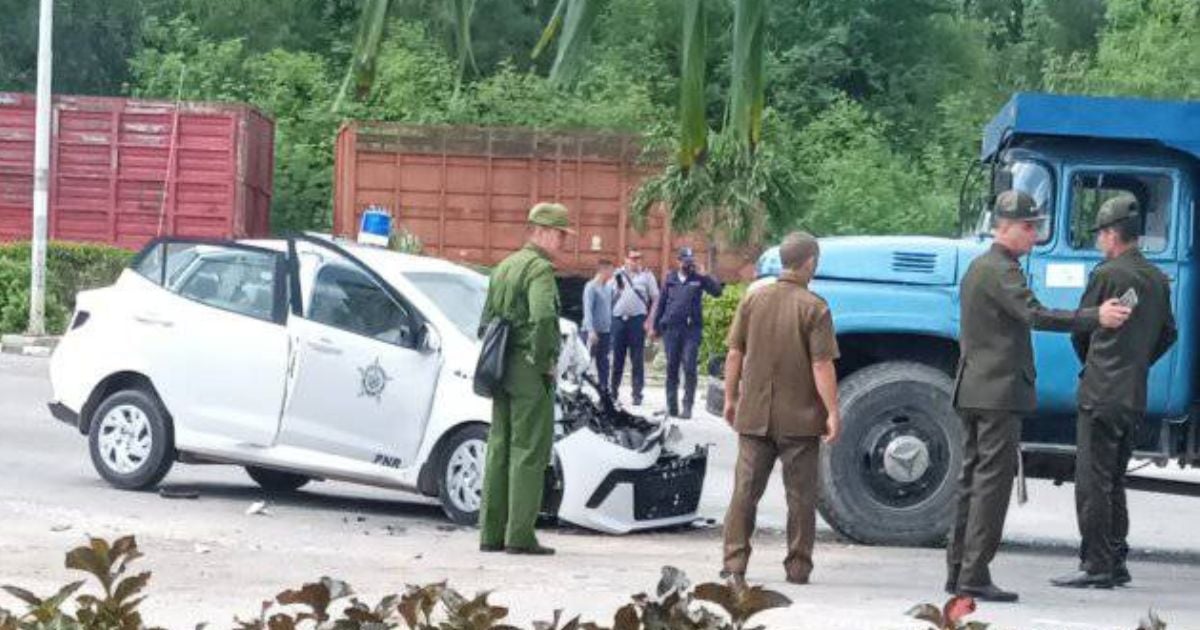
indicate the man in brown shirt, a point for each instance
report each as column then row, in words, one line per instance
column 781, row 398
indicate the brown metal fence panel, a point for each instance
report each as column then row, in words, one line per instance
column 124, row 171
column 465, row 191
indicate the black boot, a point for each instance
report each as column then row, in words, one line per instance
column 1083, row 579
column 988, row 593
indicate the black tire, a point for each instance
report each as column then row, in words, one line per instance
column 874, row 489
column 456, row 499
column 277, row 480
column 148, row 469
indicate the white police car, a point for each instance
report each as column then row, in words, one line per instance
column 309, row 358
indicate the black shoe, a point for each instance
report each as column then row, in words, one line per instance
column 536, row 550
column 672, row 412
column 1121, row 576
column 952, row 580
column 491, row 548
column 686, row 415
column 988, row 593
column 1083, row 579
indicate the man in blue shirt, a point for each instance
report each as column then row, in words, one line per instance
column 597, row 319
column 635, row 291
column 679, row 321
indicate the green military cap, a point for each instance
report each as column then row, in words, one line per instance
column 1119, row 208
column 551, row 215
column 1014, row 205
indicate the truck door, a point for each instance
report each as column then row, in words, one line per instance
column 1059, row 272
column 363, row 381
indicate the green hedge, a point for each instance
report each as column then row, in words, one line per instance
column 70, row 268
column 718, row 317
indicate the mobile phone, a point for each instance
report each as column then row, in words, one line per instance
column 1129, row 298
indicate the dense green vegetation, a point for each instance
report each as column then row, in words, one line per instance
column 872, row 107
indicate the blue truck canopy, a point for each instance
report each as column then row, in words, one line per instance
column 1174, row 124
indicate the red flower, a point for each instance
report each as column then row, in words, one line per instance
column 957, row 608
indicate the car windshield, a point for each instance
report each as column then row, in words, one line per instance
column 460, row 296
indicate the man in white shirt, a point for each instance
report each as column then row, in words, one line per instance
column 635, row 291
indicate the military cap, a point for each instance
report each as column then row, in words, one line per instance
column 1117, row 209
column 686, row 254
column 551, row 215
column 1014, row 205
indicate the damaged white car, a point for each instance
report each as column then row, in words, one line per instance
column 307, row 359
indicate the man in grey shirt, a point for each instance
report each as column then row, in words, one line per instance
column 598, row 319
column 635, row 290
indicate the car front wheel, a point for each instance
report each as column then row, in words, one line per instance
column 131, row 441
column 460, row 474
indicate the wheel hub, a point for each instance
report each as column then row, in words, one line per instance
column 906, row 458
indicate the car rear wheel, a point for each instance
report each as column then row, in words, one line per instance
column 131, row 440
column 277, row 480
column 460, row 474
column 890, row 479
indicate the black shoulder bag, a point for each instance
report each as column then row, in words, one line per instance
column 489, row 369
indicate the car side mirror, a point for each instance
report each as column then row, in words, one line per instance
column 431, row 341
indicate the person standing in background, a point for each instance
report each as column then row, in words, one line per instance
column 635, row 292
column 598, row 319
column 679, row 320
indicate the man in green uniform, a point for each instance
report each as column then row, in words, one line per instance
column 995, row 387
column 1112, row 391
column 524, row 293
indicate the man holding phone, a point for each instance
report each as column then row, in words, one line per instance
column 1112, row 390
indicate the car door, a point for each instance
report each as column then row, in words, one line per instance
column 365, row 374
column 1059, row 274
column 213, row 338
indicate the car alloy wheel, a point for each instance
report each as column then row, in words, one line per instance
column 125, row 439
column 464, row 475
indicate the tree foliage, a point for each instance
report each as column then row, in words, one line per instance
column 870, row 109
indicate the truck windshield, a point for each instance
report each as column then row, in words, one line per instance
column 1033, row 179
column 460, row 296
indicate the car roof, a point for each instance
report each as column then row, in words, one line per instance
column 376, row 257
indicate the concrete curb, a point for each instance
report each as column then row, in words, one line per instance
column 28, row 346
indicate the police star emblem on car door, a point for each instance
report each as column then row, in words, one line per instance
column 373, row 380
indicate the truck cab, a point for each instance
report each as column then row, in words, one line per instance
column 891, row 478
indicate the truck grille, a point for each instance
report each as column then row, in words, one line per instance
column 914, row 262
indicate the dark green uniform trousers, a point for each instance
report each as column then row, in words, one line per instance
column 518, row 452
column 1105, row 444
column 992, row 440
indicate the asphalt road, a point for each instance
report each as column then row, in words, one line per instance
column 212, row 561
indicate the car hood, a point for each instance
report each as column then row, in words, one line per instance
column 922, row 260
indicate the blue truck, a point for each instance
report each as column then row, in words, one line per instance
column 891, row 478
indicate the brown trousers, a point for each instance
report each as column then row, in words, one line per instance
column 756, row 459
column 991, row 448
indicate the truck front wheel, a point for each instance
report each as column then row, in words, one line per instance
column 890, row 479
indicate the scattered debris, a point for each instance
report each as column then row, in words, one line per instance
column 395, row 530
column 60, row 528
column 178, row 493
column 258, row 508
column 361, row 519
column 202, row 549
column 448, row 528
